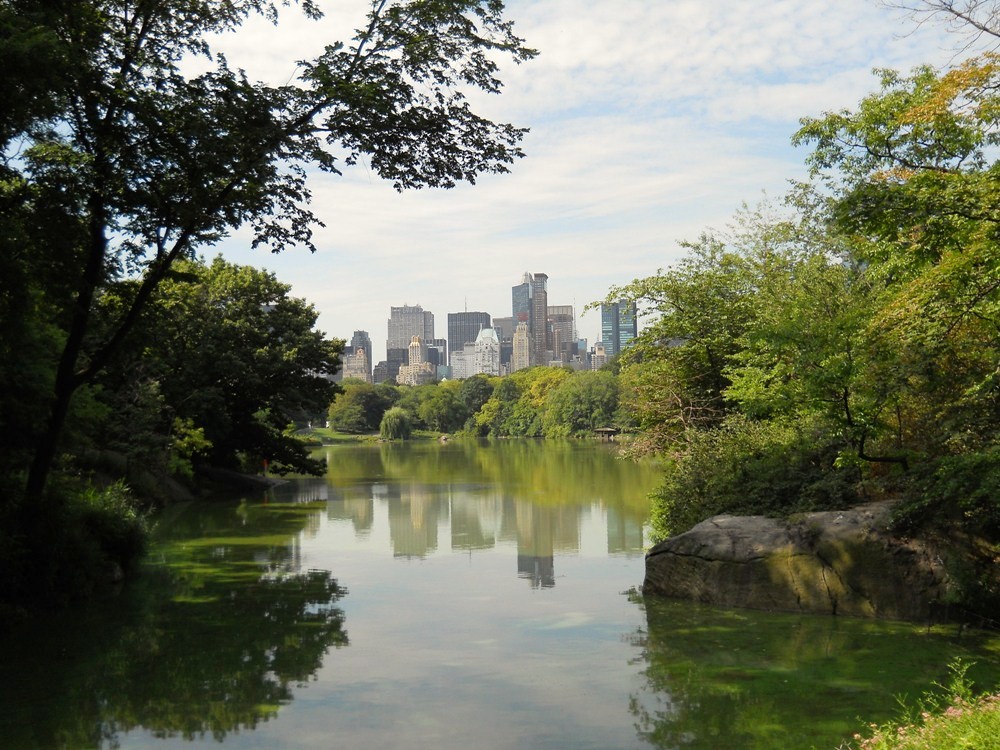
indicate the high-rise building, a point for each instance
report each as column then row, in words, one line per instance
column 487, row 360
column 539, row 328
column 520, row 298
column 599, row 356
column 520, row 358
column 418, row 370
column 619, row 325
column 504, row 328
column 361, row 340
column 358, row 365
column 408, row 321
column 562, row 324
column 464, row 327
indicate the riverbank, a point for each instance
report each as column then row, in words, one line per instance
column 956, row 718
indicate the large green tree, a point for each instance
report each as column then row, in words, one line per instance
column 144, row 164
column 225, row 350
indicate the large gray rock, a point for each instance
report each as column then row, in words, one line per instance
column 837, row 562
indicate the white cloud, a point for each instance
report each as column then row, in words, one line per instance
column 650, row 121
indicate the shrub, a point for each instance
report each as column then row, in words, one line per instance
column 396, row 424
column 752, row 468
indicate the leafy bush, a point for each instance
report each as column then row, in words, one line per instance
column 396, row 424
column 78, row 541
column 752, row 468
column 964, row 487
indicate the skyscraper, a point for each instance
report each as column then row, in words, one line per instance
column 539, row 326
column 404, row 323
column 619, row 325
column 464, row 327
column 521, row 356
column 361, row 340
column 562, row 324
column 520, row 297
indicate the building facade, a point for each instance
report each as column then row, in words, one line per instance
column 487, row 353
column 464, row 327
column 408, row 321
column 619, row 326
column 520, row 357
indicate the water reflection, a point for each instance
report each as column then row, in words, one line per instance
column 470, row 497
column 211, row 642
column 716, row 678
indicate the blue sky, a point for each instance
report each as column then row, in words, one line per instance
column 651, row 121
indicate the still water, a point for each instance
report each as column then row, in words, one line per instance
column 446, row 596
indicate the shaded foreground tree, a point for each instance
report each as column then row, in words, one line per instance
column 219, row 366
column 117, row 164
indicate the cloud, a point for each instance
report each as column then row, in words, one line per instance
column 650, row 121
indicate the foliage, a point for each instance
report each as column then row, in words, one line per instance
column 581, row 403
column 53, row 558
column 751, row 467
column 865, row 315
column 518, row 403
column 953, row 716
column 444, row 409
column 220, row 363
column 126, row 165
column 359, row 406
column 396, row 424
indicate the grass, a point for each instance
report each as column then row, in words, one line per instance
column 326, row 436
column 953, row 720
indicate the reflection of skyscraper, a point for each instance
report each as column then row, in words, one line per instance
column 474, row 521
column 624, row 534
column 535, row 560
column 413, row 522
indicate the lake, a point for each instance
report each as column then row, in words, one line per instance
column 446, row 596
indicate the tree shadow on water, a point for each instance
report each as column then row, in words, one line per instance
column 211, row 640
column 738, row 678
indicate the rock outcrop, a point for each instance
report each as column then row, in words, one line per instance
column 837, row 562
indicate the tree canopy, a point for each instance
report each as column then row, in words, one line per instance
column 117, row 164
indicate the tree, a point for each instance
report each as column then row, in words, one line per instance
column 444, row 410
column 359, row 406
column 230, row 353
column 396, row 424
column 915, row 172
column 149, row 165
column 977, row 20
column 583, row 402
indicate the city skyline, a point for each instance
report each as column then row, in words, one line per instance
column 637, row 141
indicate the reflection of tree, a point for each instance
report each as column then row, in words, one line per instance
column 210, row 642
column 226, row 661
column 755, row 680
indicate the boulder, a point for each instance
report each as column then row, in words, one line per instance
column 837, row 562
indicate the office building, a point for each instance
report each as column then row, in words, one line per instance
column 539, row 326
column 464, row 327
column 619, row 326
column 520, row 357
column 408, row 321
column 487, row 357
column 562, row 324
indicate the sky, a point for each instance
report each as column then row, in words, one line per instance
column 650, row 122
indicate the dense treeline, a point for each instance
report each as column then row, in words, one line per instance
column 843, row 345
column 536, row 402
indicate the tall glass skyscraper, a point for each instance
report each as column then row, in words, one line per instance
column 619, row 326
